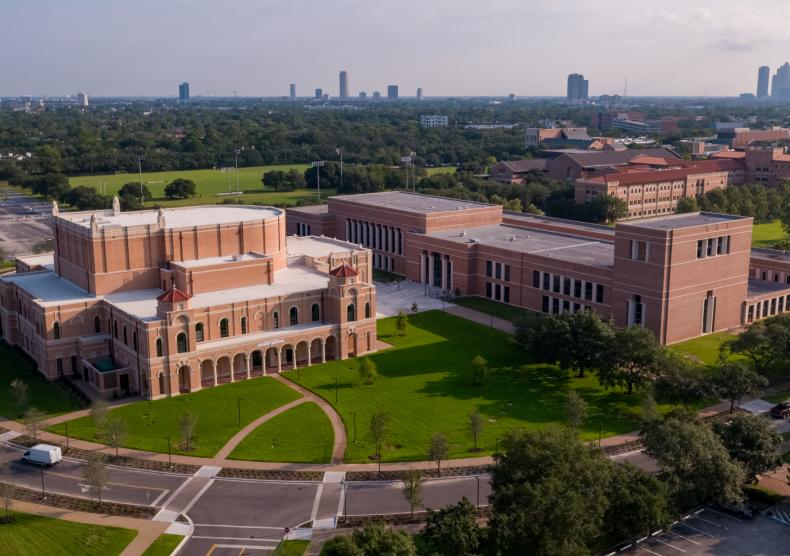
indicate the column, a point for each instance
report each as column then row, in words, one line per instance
column 309, row 353
column 430, row 269
column 323, row 351
column 233, row 369
column 214, row 367
column 248, row 366
column 422, row 267
column 444, row 273
column 264, row 360
column 279, row 361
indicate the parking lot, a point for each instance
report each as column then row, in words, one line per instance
column 712, row 532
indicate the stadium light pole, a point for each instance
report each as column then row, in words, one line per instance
column 238, row 150
column 317, row 165
column 412, row 156
column 406, row 160
column 140, row 170
column 339, row 151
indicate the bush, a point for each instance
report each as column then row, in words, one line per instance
column 762, row 494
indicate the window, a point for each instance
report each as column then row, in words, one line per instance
column 546, row 281
column 638, row 311
column 506, row 297
column 638, row 250
column 507, row 273
column 159, row 347
column 97, row 325
column 367, row 310
column 489, row 269
column 588, row 289
column 535, row 279
column 351, row 313
column 555, row 306
column 566, row 306
column 498, row 271
column 199, row 337
column 276, row 319
column 134, row 340
column 599, row 293
column 115, row 329
column 243, row 325
column 700, row 249
column 545, row 304
column 223, row 328
column 709, row 251
column 556, row 284
column 59, row 363
column 56, row 330
column 709, row 309
column 125, row 340
column 576, row 307
column 566, row 286
column 315, row 312
column 293, row 316
column 497, row 292
column 181, row 342
column 489, row 289
column 577, row 288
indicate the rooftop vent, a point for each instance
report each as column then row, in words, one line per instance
column 462, row 234
column 472, row 240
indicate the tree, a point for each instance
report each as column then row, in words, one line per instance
column 134, row 189
column 476, row 423
column 130, row 202
column 607, row 208
column 99, row 412
column 85, row 198
column 187, row 427
column 638, row 503
column 632, row 358
column 687, row 204
column 763, row 342
column 537, row 470
column 277, row 180
column 693, row 461
column 649, row 408
column 115, row 432
column 679, row 381
column 180, row 188
column 453, row 530
column 752, row 441
column 95, row 473
column 341, row 545
column 379, row 431
column 19, row 389
column 412, row 488
column 479, row 367
column 367, row 370
column 438, row 450
column 575, row 410
column 34, row 420
column 51, row 186
column 732, row 380
column 401, row 322
column 295, row 179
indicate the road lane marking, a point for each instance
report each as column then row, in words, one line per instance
column 239, row 526
column 159, row 498
column 724, row 515
column 650, row 551
column 682, row 537
column 234, row 539
column 197, row 496
column 177, row 491
column 317, row 501
column 684, row 524
column 668, row 544
column 243, row 547
column 711, row 522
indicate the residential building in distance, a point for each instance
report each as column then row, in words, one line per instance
column 578, row 88
column 183, row 91
column 419, row 93
column 363, row 95
column 763, row 75
column 681, row 276
column 558, row 137
column 168, row 301
column 376, row 95
column 344, row 85
column 574, row 164
column 319, row 93
column 392, row 92
column 433, row 120
column 292, row 91
column 740, row 137
column 646, row 127
column 517, row 171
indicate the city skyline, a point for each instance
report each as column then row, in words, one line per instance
column 635, row 44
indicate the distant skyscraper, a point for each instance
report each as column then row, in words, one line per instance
column 762, row 81
column 82, row 99
column 292, row 91
column 578, row 88
column 392, row 92
column 780, row 83
column 183, row 91
column 376, row 95
column 363, row 95
column 344, row 84
column 319, row 93
column 419, row 93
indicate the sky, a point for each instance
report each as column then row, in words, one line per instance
column 447, row 47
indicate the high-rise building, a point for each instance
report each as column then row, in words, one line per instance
column 376, row 95
column 319, row 93
column 292, row 91
column 183, row 91
column 419, row 93
column 392, row 92
column 762, row 81
column 363, row 95
column 82, row 99
column 578, row 88
column 343, row 84
column 780, row 83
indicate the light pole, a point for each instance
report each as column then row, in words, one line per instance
column 339, row 151
column 412, row 156
column 478, row 490
column 317, row 165
column 169, row 457
column 140, row 170
column 238, row 150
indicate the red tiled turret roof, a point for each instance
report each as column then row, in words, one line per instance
column 173, row 295
column 343, row 271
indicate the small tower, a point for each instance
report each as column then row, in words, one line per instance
column 55, row 208
column 160, row 217
column 342, row 291
column 172, row 300
column 116, row 206
column 94, row 223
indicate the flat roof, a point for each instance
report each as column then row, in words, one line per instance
column 569, row 224
column 316, row 247
column 757, row 288
column 773, row 254
column 44, row 259
column 310, row 209
column 210, row 261
column 686, row 220
column 48, row 287
column 410, row 202
column 535, row 242
column 182, row 217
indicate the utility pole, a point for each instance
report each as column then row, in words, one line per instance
column 412, row 156
column 140, row 170
column 317, row 165
column 238, row 150
column 339, row 151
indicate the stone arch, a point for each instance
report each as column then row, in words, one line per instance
column 240, row 366
column 351, row 345
column 224, row 370
column 207, row 377
column 161, row 380
column 293, row 316
column 302, row 354
column 184, row 379
column 256, row 363
column 288, row 357
column 330, row 348
column 316, row 350
column 270, row 358
column 181, row 320
column 258, row 321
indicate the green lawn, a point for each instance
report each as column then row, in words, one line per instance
column 302, row 434
column 32, row 534
column 704, row 349
column 47, row 396
column 291, row 548
column 440, row 170
column 150, row 422
column 765, row 235
column 424, row 384
column 164, row 545
column 781, row 396
column 490, row 307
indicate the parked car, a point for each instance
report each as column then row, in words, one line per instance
column 781, row 410
column 43, row 454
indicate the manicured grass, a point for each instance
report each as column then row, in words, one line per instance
column 440, row 170
column 164, row 545
column 150, row 422
column 33, row 534
column 779, row 396
column 765, row 235
column 490, row 307
column 46, row 396
column 302, row 434
column 704, row 349
column 291, row 548
column 424, row 384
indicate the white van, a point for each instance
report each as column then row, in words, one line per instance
column 43, row 454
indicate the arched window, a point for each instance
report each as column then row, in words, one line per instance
column 159, row 347
column 161, row 383
column 125, row 340
column 97, row 324
column 223, row 328
column 181, row 342
column 276, row 319
column 316, row 312
column 367, row 310
column 293, row 315
column 243, row 325
column 115, row 328
column 351, row 313
column 199, row 332
column 134, row 340
column 56, row 330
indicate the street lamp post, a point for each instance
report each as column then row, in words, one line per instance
column 169, row 456
column 339, row 151
column 238, row 150
column 317, row 165
column 412, row 156
column 478, row 490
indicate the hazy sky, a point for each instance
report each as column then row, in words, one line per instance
column 447, row 47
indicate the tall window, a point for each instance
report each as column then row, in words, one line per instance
column 351, row 313
column 125, row 337
column 637, row 311
column 115, row 329
column 276, row 319
column 315, row 312
column 96, row 325
column 159, row 347
column 367, row 310
column 243, row 325
column 56, row 330
column 223, row 328
column 134, row 340
column 181, row 342
column 293, row 316
column 199, row 332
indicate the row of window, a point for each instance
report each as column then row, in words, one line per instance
column 555, row 305
column 713, row 246
column 768, row 274
column 498, row 292
column 500, row 271
column 572, row 287
column 303, row 229
column 375, row 236
column 768, row 308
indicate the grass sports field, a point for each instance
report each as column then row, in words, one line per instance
column 765, row 235
column 424, row 385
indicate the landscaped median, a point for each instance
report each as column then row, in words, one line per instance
column 220, row 412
